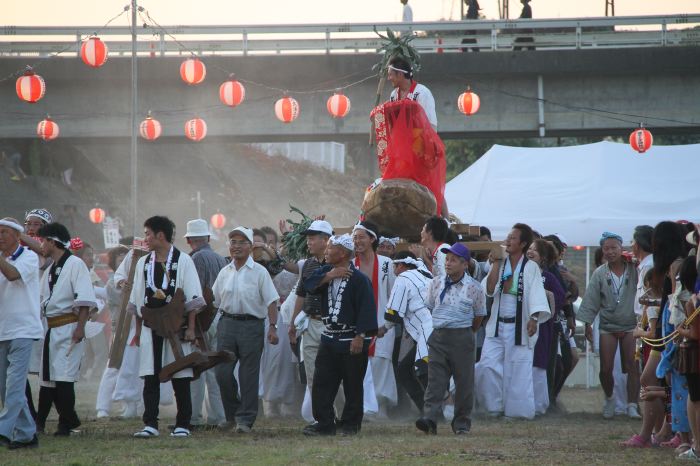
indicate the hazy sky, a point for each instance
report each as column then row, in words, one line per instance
column 170, row 12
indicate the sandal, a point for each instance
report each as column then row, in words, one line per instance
column 180, row 432
column 636, row 442
column 147, row 432
column 674, row 442
column 683, row 447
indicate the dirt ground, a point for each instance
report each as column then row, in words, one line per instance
column 580, row 436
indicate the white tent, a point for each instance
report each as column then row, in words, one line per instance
column 578, row 191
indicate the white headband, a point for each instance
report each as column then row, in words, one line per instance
column 393, row 241
column 409, row 260
column 66, row 244
column 359, row 226
column 344, row 241
column 13, row 225
column 392, row 67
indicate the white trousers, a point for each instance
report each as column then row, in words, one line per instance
column 504, row 375
column 384, row 380
column 620, row 387
column 278, row 372
column 123, row 384
column 205, row 390
column 541, row 390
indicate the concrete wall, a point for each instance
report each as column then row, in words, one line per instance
column 87, row 102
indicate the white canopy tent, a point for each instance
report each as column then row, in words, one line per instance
column 578, row 191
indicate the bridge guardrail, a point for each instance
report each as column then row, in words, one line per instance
column 432, row 37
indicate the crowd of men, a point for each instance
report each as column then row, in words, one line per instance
column 447, row 328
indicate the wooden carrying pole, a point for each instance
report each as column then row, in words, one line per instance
column 121, row 333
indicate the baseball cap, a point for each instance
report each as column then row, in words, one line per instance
column 247, row 232
column 319, row 226
column 458, row 249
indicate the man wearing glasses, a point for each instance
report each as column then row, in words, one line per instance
column 245, row 295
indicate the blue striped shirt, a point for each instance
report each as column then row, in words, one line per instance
column 462, row 302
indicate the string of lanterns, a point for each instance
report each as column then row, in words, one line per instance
column 31, row 88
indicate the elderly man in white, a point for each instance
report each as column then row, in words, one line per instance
column 245, row 295
column 504, row 373
column 20, row 326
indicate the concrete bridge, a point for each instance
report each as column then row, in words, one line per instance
column 584, row 78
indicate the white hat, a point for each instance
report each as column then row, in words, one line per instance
column 197, row 227
column 344, row 241
column 247, row 232
column 319, row 226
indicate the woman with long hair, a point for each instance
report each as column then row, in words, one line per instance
column 669, row 251
column 544, row 255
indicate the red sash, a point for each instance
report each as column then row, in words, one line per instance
column 375, row 289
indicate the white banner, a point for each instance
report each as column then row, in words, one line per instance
column 110, row 231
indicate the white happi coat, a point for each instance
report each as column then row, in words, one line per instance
column 381, row 362
column 384, row 346
column 72, row 290
column 188, row 280
column 503, row 376
column 534, row 300
column 408, row 299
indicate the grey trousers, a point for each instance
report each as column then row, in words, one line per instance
column 245, row 339
column 16, row 422
column 451, row 353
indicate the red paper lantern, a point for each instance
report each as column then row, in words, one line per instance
column 196, row 129
column 232, row 93
column 94, row 52
column 641, row 140
column 193, row 71
column 338, row 105
column 468, row 103
column 47, row 129
column 97, row 215
column 150, row 129
column 287, row 109
column 30, row 87
column 218, row 221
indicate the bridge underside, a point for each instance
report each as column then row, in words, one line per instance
column 583, row 92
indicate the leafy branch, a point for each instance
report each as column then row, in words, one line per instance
column 396, row 46
column 294, row 241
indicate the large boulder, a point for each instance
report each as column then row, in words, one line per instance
column 399, row 207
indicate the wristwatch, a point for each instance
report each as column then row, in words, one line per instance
column 274, row 326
